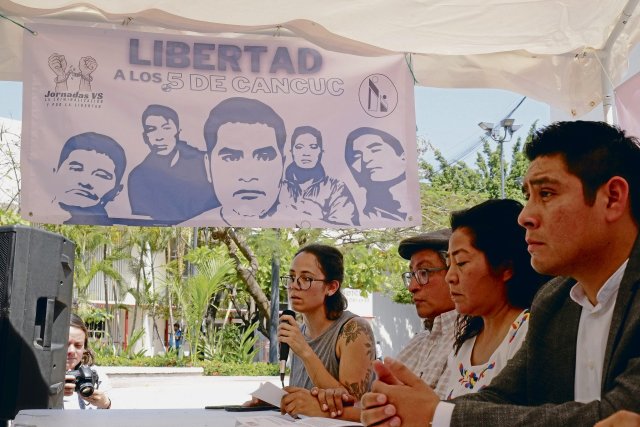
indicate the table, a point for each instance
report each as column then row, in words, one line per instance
column 132, row 417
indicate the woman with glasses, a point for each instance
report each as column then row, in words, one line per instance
column 492, row 285
column 333, row 347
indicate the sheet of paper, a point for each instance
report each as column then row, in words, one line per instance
column 287, row 421
column 269, row 393
column 265, row 421
column 324, row 422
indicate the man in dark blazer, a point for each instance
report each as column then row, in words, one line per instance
column 580, row 362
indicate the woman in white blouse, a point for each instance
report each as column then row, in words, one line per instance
column 492, row 285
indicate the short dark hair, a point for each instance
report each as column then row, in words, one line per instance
column 91, row 141
column 88, row 355
column 349, row 154
column 243, row 110
column 162, row 111
column 594, row 152
column 494, row 229
column 331, row 263
column 304, row 130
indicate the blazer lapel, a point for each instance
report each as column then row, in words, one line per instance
column 627, row 294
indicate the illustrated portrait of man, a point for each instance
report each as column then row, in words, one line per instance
column 170, row 184
column 377, row 162
column 245, row 158
column 88, row 176
column 310, row 192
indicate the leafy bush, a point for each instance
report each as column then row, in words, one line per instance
column 230, row 344
column 217, row 368
column 169, row 360
column 211, row 367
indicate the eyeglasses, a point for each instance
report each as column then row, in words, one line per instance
column 421, row 275
column 303, row 282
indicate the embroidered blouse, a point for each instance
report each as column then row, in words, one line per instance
column 466, row 378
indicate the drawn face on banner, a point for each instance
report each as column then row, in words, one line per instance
column 246, row 168
column 160, row 134
column 85, row 177
column 377, row 159
column 306, row 151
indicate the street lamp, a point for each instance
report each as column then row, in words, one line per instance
column 500, row 133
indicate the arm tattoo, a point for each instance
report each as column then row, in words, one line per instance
column 358, row 389
column 371, row 353
column 353, row 329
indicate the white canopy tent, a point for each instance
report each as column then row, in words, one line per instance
column 567, row 53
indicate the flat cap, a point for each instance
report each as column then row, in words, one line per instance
column 436, row 240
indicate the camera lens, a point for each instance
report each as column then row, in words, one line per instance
column 86, row 390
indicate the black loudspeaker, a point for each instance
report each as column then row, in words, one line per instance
column 36, row 280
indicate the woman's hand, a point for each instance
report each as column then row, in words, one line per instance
column 299, row 401
column 289, row 332
column 98, row 399
column 254, row 402
column 333, row 400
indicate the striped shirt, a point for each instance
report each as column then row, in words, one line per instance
column 427, row 352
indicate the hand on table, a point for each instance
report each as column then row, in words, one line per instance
column 398, row 398
column 299, row 401
column 333, row 400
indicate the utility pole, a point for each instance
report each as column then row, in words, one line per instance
column 500, row 133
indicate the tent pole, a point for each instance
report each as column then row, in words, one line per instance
column 608, row 98
column 608, row 95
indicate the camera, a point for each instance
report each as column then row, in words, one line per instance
column 86, row 380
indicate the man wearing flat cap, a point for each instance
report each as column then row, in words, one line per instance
column 426, row 354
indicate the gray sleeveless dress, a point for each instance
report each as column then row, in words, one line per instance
column 325, row 347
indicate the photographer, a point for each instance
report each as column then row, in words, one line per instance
column 82, row 380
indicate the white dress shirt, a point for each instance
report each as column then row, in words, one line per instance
column 593, row 332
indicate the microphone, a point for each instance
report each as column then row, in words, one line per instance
column 284, row 349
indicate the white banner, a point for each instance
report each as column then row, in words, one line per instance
column 144, row 128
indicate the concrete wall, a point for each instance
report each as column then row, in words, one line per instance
column 393, row 324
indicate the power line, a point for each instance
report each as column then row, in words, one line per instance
column 515, row 108
column 473, row 148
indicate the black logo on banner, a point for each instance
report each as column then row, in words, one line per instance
column 378, row 95
column 66, row 95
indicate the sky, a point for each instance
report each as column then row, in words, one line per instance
column 447, row 118
column 11, row 100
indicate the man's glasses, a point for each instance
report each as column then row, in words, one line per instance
column 303, row 282
column 421, row 275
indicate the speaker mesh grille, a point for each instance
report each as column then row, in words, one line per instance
column 6, row 249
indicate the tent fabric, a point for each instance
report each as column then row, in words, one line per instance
column 556, row 51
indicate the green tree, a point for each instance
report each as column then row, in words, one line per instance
column 484, row 180
column 147, row 244
column 11, row 217
column 195, row 296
